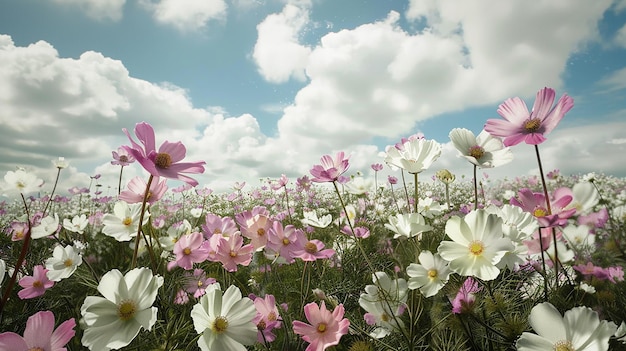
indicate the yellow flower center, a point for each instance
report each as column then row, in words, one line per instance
column 220, row 325
column 476, row 247
column 540, row 212
column 260, row 231
column 532, row 125
column 476, row 152
column 321, row 327
column 163, row 160
column 68, row 263
column 127, row 221
column 564, row 345
column 232, row 254
column 261, row 325
column 187, row 251
column 272, row 316
column 123, row 158
column 20, row 184
column 217, row 231
column 286, row 241
column 126, row 310
column 200, row 283
column 310, row 247
column 385, row 317
column 19, row 234
column 37, row 284
column 36, row 349
column 432, row 274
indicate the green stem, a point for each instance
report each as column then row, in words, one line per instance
column 475, row 189
column 56, row 181
column 549, row 208
column 139, row 227
column 416, row 197
column 119, row 186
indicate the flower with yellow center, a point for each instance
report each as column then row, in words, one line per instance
column 224, row 320
column 114, row 320
column 579, row 329
column 384, row 301
column 477, row 244
column 429, row 275
column 484, row 150
column 63, row 262
column 123, row 223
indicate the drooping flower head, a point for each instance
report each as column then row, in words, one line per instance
column 330, row 169
column 530, row 127
column 166, row 161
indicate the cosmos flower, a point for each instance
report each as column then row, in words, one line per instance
column 384, row 301
column 477, row 244
column 484, row 150
column 190, row 249
column 166, row 161
column 520, row 125
column 466, row 296
column 231, row 252
column 35, row 285
column 77, row 224
column 63, row 262
column 283, row 241
column 22, row 182
column 123, row 223
column 430, row 275
column 325, row 328
column 197, row 282
column 330, row 169
column 414, row 156
column 224, row 321
column 408, row 225
column 136, row 190
column 579, row 329
column 46, row 227
column 536, row 204
column 60, row 163
column 311, row 218
column 122, row 157
column 40, row 334
column 114, row 320
column 267, row 318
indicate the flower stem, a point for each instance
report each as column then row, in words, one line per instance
column 416, row 198
column 56, row 181
column 18, row 264
column 140, row 232
column 406, row 191
column 475, row 189
column 119, row 186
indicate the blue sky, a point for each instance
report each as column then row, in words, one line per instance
column 258, row 88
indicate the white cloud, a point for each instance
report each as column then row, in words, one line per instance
column 620, row 37
column 277, row 52
column 98, row 9
column 186, row 15
column 614, row 81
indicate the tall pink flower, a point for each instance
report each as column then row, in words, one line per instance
column 190, row 249
column 330, row 169
column 530, row 127
column 215, row 224
column 536, row 204
column 311, row 250
column 36, row 285
column 254, row 225
column 166, row 161
column 267, row 318
column 325, row 328
column 284, row 240
column 40, row 334
column 136, row 189
column 122, row 157
column 231, row 252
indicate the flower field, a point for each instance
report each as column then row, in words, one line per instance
column 331, row 260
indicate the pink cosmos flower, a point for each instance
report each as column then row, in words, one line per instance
column 330, row 169
column 231, row 252
column 254, row 225
column 122, row 157
column 283, row 241
column 520, row 125
column 360, row 232
column 536, row 204
column 267, row 318
column 377, row 167
column 325, row 328
column 136, row 189
column 166, row 161
column 215, row 224
column 36, row 285
column 311, row 250
column 190, row 249
column 40, row 334
column 464, row 299
column 197, row 282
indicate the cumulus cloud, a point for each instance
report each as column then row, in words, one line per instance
column 277, row 53
column 614, row 81
column 186, row 15
column 98, row 9
column 620, row 37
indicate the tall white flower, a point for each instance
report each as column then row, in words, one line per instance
column 113, row 321
column 384, row 302
column 477, row 245
column 359, row 185
column 22, row 182
column 585, row 197
column 414, row 156
column 311, row 218
column 408, row 225
column 484, row 150
column 517, row 225
column 60, row 163
column 77, row 224
column 123, row 223
column 47, row 226
column 224, row 321
column 579, row 329
column 63, row 263
column 430, row 275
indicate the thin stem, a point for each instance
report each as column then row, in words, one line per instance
column 475, row 189
column 549, row 208
column 119, row 186
column 18, row 264
column 543, row 264
column 139, row 225
column 406, row 191
column 56, row 181
column 416, row 198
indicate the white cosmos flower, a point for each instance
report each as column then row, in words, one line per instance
column 22, row 182
column 579, row 237
column 477, row 245
column 359, row 186
column 384, row 302
column 416, row 155
column 123, row 223
column 63, row 263
column 429, row 208
column 113, row 321
column 47, row 226
column 518, row 226
column 224, row 321
column 77, row 224
column 311, row 218
column 585, row 197
column 430, row 275
column 580, row 329
column 408, row 225
column 484, row 150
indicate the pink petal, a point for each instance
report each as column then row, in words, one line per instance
column 514, row 110
column 564, row 104
column 39, row 328
column 543, row 103
column 63, row 334
column 176, row 150
column 13, row 342
column 145, row 133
